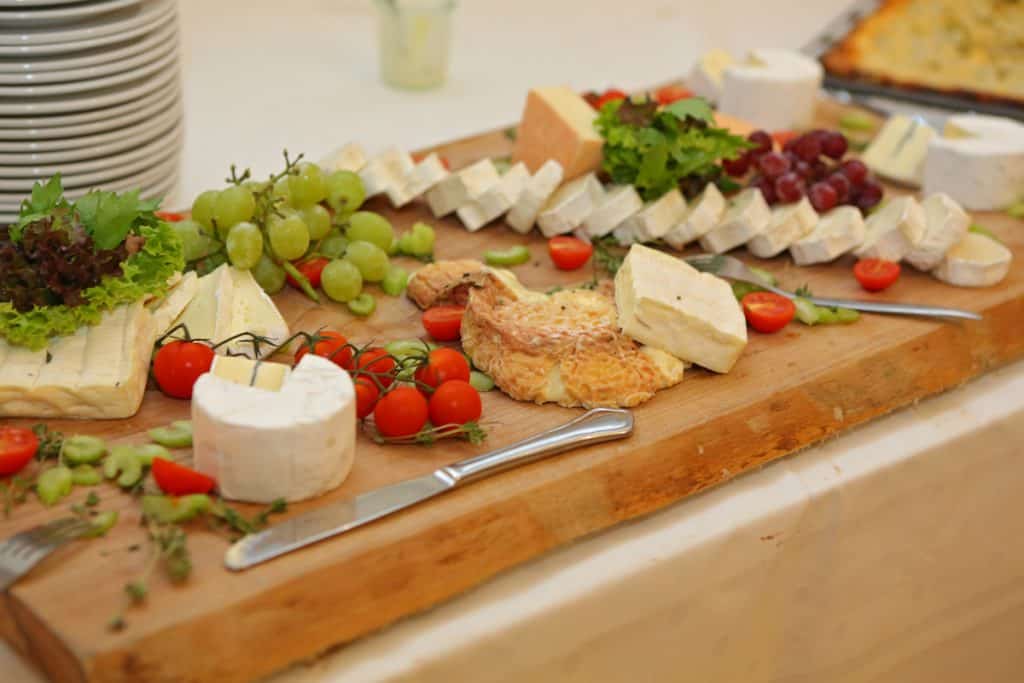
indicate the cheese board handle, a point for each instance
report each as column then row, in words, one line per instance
column 593, row 427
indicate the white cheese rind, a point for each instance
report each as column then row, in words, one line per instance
column 974, row 261
column 773, row 89
column 789, row 223
column 166, row 310
column 837, row 232
column 570, row 205
column 351, row 157
column 704, row 214
column 492, row 203
column 423, row 176
column 386, row 172
column 98, row 373
column 892, row 231
column 899, row 149
column 294, row 443
column 462, row 186
column 748, row 215
column 656, row 219
column 945, row 224
column 536, row 191
column 667, row 304
column 619, row 203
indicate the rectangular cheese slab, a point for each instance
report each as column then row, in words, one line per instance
column 462, row 186
column 558, row 124
column 837, row 232
column 703, row 215
column 97, row 373
column 892, row 231
column 536, row 192
column 478, row 212
column 570, row 205
column 747, row 215
column 351, row 157
column 386, row 172
column 664, row 302
column 619, row 203
column 654, row 220
column 789, row 223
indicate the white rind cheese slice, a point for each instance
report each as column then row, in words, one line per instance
column 656, row 219
column 619, row 203
column 166, row 310
column 209, row 313
column 97, row 373
column 979, row 162
column 462, row 186
column 703, row 215
column 974, row 261
column 667, row 304
column 945, row 224
column 421, row 178
column 773, row 89
column 351, row 157
column 892, row 231
column 294, row 443
column 570, row 205
column 837, row 232
column 537, row 190
column 747, row 215
column 789, row 223
column 386, row 172
column 899, row 150
column 705, row 78
column 492, row 203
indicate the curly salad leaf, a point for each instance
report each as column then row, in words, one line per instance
column 656, row 149
column 145, row 273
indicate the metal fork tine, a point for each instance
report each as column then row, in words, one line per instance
column 20, row 553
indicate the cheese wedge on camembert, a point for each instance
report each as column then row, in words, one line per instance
column 536, row 192
column 666, row 303
column 496, row 200
column 789, row 223
column 462, row 186
column 570, row 205
column 747, row 215
column 656, row 219
column 836, row 233
column 703, row 214
column 166, row 310
column 975, row 261
column 99, row 372
column 899, row 150
column 945, row 224
column 892, row 231
column 264, row 432
column 619, row 203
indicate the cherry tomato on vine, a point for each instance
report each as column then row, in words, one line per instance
column 178, row 364
column 671, row 93
column 367, row 394
column 875, row 274
column 455, row 402
column 179, row 480
column 377, row 360
column 332, row 345
column 312, row 268
column 172, row 216
column 568, row 252
column 610, row 95
column 18, row 445
column 442, row 366
column 401, row 412
column 768, row 312
column 444, row 323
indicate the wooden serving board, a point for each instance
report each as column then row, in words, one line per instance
column 789, row 390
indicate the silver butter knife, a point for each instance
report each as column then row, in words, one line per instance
column 595, row 426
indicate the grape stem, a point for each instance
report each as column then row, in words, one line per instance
column 304, row 283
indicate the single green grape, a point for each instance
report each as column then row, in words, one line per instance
column 418, row 242
column 255, row 186
column 234, row 205
column 341, row 280
column 370, row 227
column 244, row 245
column 194, row 239
column 392, row 249
column 371, row 260
column 334, row 245
column 289, row 236
column 394, row 281
column 363, row 305
column 345, row 193
column 318, row 220
column 269, row 275
column 283, row 190
column 308, row 186
column 202, row 208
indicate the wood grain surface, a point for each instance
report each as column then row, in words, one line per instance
column 788, row 391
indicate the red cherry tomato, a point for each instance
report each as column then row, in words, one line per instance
column 377, row 360
column 312, row 268
column 444, row 323
column 179, row 480
column 671, row 93
column 442, row 366
column 367, row 394
column 172, row 216
column 401, row 412
column 455, row 402
column 18, row 445
column 781, row 137
column 569, row 253
column 610, row 95
column 178, row 364
column 331, row 345
column 875, row 274
column 768, row 312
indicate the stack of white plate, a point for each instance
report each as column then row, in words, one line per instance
column 89, row 88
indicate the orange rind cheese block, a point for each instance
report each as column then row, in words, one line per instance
column 558, row 124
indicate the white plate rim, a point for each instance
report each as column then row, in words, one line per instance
column 49, row 146
column 64, row 105
column 118, row 22
column 113, row 117
column 11, row 18
column 34, row 3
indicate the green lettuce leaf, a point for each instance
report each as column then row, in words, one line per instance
column 108, row 217
column 694, row 107
column 45, row 199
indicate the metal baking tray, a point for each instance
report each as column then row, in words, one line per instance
column 876, row 95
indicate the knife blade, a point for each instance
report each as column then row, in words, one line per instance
column 595, row 426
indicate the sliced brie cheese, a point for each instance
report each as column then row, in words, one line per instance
column 789, row 223
column 667, row 304
column 773, row 89
column 747, row 215
column 945, row 224
column 979, row 162
column 975, row 261
column 837, row 232
column 351, row 157
column 705, row 79
column 570, row 205
column 166, row 310
column 293, row 442
column 619, row 203
column 536, row 192
column 899, row 149
column 462, row 186
column 703, row 214
column 210, row 312
column 97, row 373
column 892, row 231
column 492, row 203
column 421, row 178
column 386, row 172
column 656, row 219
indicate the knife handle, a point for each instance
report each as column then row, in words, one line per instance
column 594, row 426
